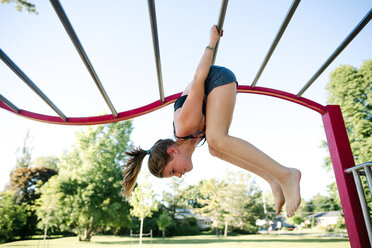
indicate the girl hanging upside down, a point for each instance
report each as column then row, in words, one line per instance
column 204, row 111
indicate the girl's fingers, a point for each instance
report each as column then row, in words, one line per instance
column 214, row 28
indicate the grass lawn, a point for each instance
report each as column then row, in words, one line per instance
column 252, row 241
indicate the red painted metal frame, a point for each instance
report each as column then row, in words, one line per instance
column 339, row 146
column 104, row 119
column 342, row 159
column 283, row 95
column 94, row 120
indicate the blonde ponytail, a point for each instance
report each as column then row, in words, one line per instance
column 132, row 169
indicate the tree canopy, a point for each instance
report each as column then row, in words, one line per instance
column 13, row 216
column 24, row 184
column 163, row 222
column 351, row 88
column 21, row 4
column 235, row 200
column 143, row 202
column 85, row 197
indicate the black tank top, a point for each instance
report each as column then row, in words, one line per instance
column 199, row 134
column 180, row 101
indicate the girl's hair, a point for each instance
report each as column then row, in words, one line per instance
column 157, row 161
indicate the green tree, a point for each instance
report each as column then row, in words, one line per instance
column 235, row 201
column 351, row 88
column 86, row 192
column 313, row 222
column 50, row 207
column 191, row 196
column 243, row 202
column 333, row 194
column 181, row 201
column 297, row 220
column 25, row 182
column 268, row 198
column 305, row 209
column 143, row 202
column 24, row 153
column 13, row 216
column 321, row 203
column 46, row 161
column 20, row 4
column 212, row 191
column 163, row 222
column 174, row 199
column 253, row 209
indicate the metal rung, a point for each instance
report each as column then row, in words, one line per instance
column 368, row 174
column 284, row 25
column 220, row 22
column 28, row 81
column 361, row 194
column 338, row 50
column 9, row 104
column 155, row 41
column 79, row 47
column 359, row 167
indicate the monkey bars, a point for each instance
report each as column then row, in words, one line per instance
column 339, row 146
column 104, row 119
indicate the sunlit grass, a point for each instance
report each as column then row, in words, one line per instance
column 252, row 241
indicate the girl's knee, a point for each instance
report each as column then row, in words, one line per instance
column 213, row 151
column 216, row 142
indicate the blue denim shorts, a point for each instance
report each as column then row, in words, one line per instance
column 218, row 76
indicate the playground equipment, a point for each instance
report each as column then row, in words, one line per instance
column 342, row 158
column 132, row 235
column 357, row 171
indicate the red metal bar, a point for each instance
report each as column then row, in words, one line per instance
column 104, row 119
column 94, row 120
column 342, row 159
column 283, row 95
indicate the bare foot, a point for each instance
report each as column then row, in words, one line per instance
column 278, row 195
column 291, row 191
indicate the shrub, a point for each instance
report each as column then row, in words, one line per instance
column 330, row 228
column 250, row 229
column 183, row 229
column 13, row 216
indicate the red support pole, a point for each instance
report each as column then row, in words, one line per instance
column 342, row 159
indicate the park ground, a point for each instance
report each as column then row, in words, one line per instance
column 292, row 240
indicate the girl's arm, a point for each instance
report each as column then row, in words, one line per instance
column 190, row 115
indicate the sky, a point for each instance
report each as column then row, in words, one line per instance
column 116, row 36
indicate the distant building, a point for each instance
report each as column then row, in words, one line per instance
column 324, row 218
column 275, row 224
column 203, row 222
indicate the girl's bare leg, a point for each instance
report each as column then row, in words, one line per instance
column 220, row 106
column 274, row 184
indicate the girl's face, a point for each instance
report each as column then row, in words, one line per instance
column 178, row 165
